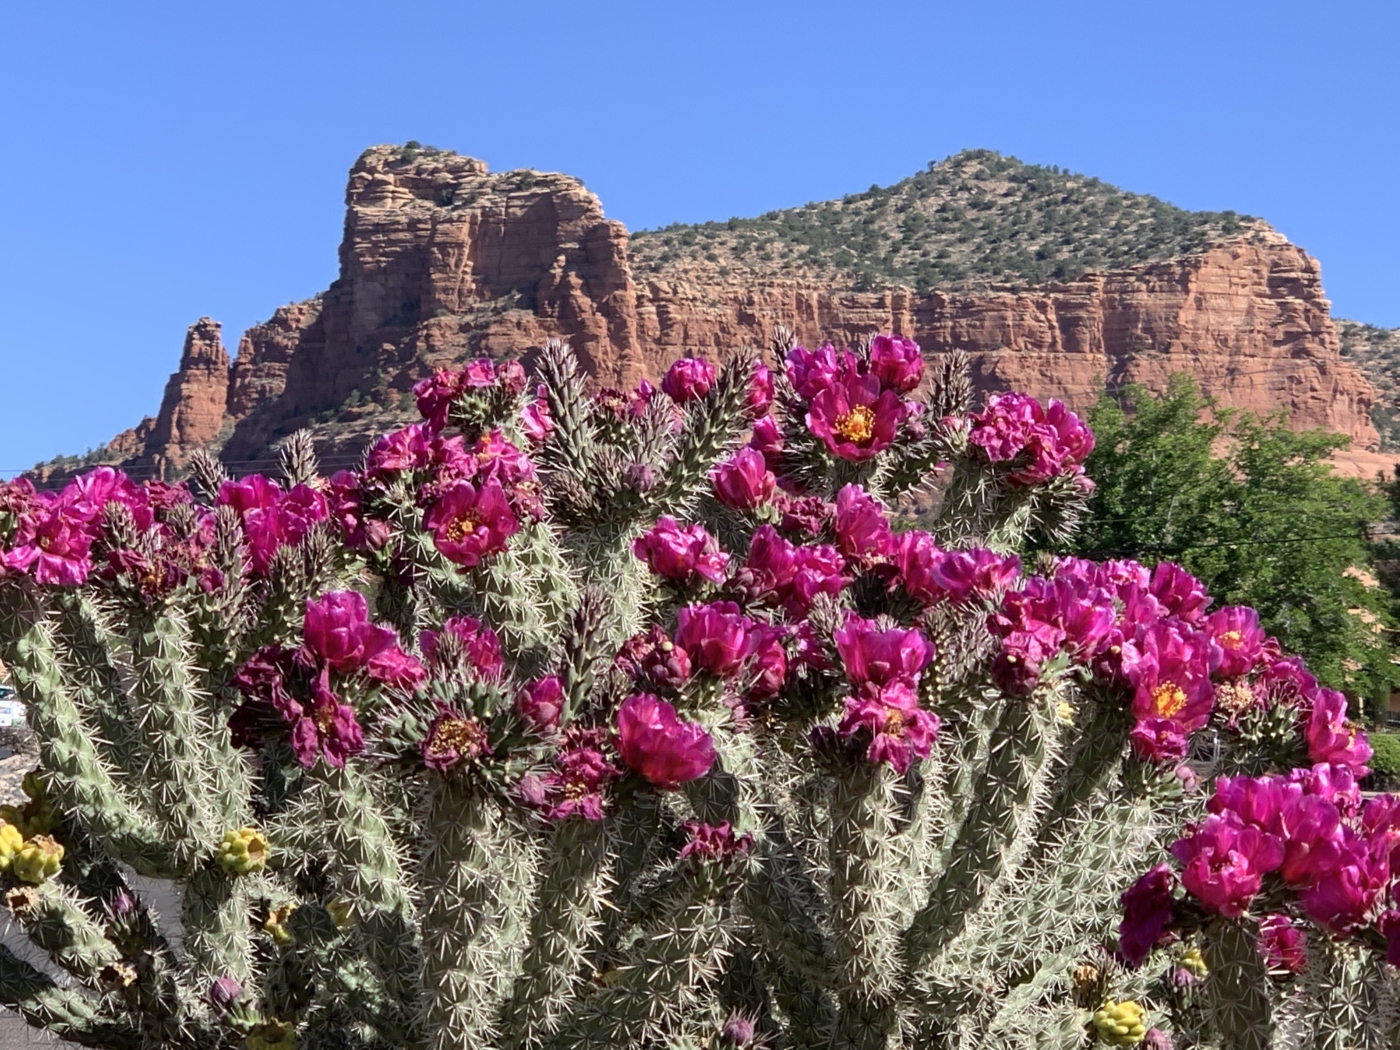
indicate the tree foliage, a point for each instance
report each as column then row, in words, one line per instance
column 1255, row 510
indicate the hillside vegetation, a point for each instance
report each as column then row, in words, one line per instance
column 972, row 220
column 1376, row 354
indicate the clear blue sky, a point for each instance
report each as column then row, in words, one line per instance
column 168, row 160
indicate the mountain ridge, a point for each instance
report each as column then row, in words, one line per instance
column 442, row 260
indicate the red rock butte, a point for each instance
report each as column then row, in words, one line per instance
column 442, row 261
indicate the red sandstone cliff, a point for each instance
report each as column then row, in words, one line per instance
column 441, row 261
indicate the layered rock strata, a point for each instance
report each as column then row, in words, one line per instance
column 442, row 260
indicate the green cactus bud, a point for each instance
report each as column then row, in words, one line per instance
column 276, row 924
column 272, row 1035
column 341, row 911
column 244, row 851
column 38, row 860
column 1120, row 1024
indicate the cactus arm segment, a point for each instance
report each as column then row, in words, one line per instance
column 83, row 782
column 54, row 918
column 563, row 927
column 215, row 917
column 367, row 867
column 1238, row 988
column 477, row 873
column 1017, row 751
column 713, row 425
column 64, row 1012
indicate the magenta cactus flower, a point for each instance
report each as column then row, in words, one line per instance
column 688, row 379
column 338, row 630
column 915, row 555
column 1017, row 429
column 898, row 729
column 1235, row 629
column 713, row 844
column 1149, row 909
column 1331, row 738
column 1224, row 863
column 681, row 554
column 863, row 530
column 435, row 396
column 535, row 421
column 540, row 704
column 875, row 657
column 327, row 728
column 453, row 740
column 744, row 481
column 1282, row 944
column 656, row 744
column 1343, row 898
column 410, row 448
column 577, row 784
column 760, row 399
column 812, row 371
column 470, row 523
column 975, row 573
column 716, row 636
column 855, row 418
column 1179, row 593
column 480, row 643
column 896, row 362
column 54, row 543
column 767, row 440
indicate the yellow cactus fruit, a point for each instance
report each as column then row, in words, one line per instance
column 1121, row 1024
column 272, row 1035
column 1193, row 962
column 340, row 912
column 1064, row 713
column 277, row 923
column 244, row 851
column 39, row 859
column 38, row 816
column 11, row 841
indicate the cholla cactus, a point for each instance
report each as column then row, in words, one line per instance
column 630, row 720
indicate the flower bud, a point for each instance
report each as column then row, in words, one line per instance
column 223, row 991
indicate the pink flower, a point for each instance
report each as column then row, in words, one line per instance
column 715, row 845
column 879, row 658
column 541, row 704
column 716, row 636
column 436, row 395
column 688, row 379
column 406, row 449
column 480, row 644
column 1149, row 909
column 767, row 440
column 1171, row 677
column 975, row 573
column 535, row 420
column 1179, row 593
column 915, row 555
column 1016, row 428
column 863, row 529
column 577, row 783
column 1343, row 897
column 1236, row 630
column 767, row 664
column 1389, row 926
column 760, row 398
column 855, row 418
column 1159, row 739
column 54, row 542
column 471, row 523
column 1282, row 945
column 896, row 362
column 811, row 372
column 272, row 518
column 337, row 629
column 898, row 729
column 817, row 569
column 452, row 740
column 655, row 658
column 328, row 729
column 744, row 481
column 1224, row 863
column 1331, row 738
column 657, row 745
column 681, row 554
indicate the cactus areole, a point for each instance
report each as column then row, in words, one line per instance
column 639, row 720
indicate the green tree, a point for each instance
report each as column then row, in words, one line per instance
column 1255, row 511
